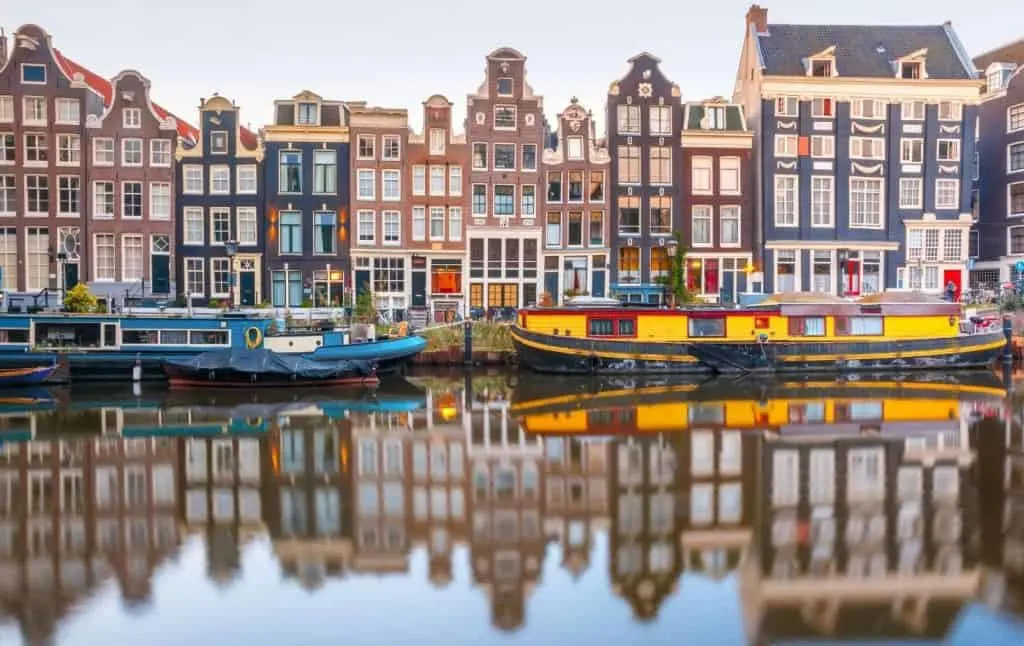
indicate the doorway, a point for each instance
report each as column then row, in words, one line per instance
column 247, row 288
column 954, row 276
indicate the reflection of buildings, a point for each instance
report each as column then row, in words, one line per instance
column 863, row 518
column 507, row 548
column 644, row 535
column 1013, row 514
column 307, row 502
column 222, row 497
column 75, row 512
column 576, row 495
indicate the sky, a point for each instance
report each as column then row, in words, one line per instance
column 398, row 53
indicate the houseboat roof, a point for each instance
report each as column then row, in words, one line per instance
column 802, row 298
column 901, row 297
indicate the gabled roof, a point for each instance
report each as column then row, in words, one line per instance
column 1009, row 53
column 864, row 51
column 103, row 87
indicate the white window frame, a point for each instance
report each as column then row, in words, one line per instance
column 955, row 143
column 739, row 224
column 156, row 153
column 220, row 173
column 246, row 179
column 726, row 167
column 394, row 217
column 916, row 146
column 707, row 213
column 131, row 117
column 913, row 110
column 363, row 173
column 188, row 213
column 154, row 214
column 104, row 152
column 823, row 146
column 372, row 216
column 786, row 145
column 384, row 141
column 702, row 170
column 141, row 239
column 796, row 200
column 947, row 182
column 419, row 180
column 857, row 146
column 919, row 202
column 124, row 152
column 394, row 175
column 419, row 223
column 455, row 181
column 881, row 202
column 830, row 221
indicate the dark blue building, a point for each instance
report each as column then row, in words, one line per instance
column 219, row 211
column 865, row 151
column 306, row 178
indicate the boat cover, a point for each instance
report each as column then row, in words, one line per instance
column 260, row 361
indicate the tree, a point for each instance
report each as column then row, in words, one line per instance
column 675, row 280
column 79, row 299
column 366, row 309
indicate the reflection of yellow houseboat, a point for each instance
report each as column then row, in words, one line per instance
column 793, row 407
column 785, row 333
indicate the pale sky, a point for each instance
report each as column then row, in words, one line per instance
column 397, row 53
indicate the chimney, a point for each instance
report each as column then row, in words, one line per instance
column 758, row 16
column 3, row 47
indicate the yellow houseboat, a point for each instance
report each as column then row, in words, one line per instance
column 792, row 407
column 785, row 333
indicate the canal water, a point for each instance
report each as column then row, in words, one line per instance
column 452, row 509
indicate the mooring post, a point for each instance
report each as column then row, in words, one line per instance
column 137, row 369
column 467, row 343
column 1008, row 333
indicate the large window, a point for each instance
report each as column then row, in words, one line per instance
column 325, row 227
column 660, row 120
column 246, row 226
column 629, row 215
column 553, row 229
column 629, row 265
column 629, row 164
column 661, row 215
column 131, row 200
column 9, row 258
column 37, row 242
column 195, row 277
column 1015, row 157
column 702, row 226
column 365, row 227
column 628, row 119
column 106, row 253
column 325, row 171
column 866, row 203
column 786, row 271
column 220, row 277
column 786, row 204
column 822, row 201
column 290, row 233
column 504, row 200
column 388, row 274
column 661, row 165
column 132, row 257
column 729, row 226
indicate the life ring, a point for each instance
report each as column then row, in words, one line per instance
column 253, row 337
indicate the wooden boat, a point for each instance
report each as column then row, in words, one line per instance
column 265, row 369
column 25, row 376
column 788, row 333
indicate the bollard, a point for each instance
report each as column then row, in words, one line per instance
column 467, row 344
column 1008, row 333
column 137, row 371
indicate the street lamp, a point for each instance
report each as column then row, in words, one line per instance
column 671, row 249
column 231, row 248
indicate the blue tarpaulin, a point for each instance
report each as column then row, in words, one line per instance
column 267, row 362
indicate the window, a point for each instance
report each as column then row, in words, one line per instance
column 437, row 141
column 68, row 196
column 455, row 181
column 391, row 147
column 106, row 253
column 6, row 108
column 504, row 156
column 132, row 257
column 597, row 228
column 103, row 151
column 661, row 215
column 391, row 227
column 33, row 73
column 290, row 231
column 419, row 223
column 504, row 200
column 131, row 117
column 950, row 111
column 701, row 173
column 219, row 142
column 366, row 147
column 437, row 223
column 325, row 171
column 308, row 114
column 702, row 226
column 868, row 108
column 391, row 185
column 729, row 226
column 911, row 151
column 913, row 110
column 195, row 277
column 33, row 110
column 1015, row 118
column 505, row 117
column 192, row 182
column 419, row 180
column 246, row 180
column 822, row 107
column 160, row 152
column 220, row 225
column 823, row 146
column 246, row 228
column 36, row 149
column 910, row 192
column 9, row 261
column 455, row 222
column 947, row 193
column 131, row 152
column 660, row 119
column 289, row 172
column 859, row 326
column 366, row 227
column 528, row 201
column 629, row 264
column 220, row 277
column 1015, row 157
column 952, row 245
column 787, row 106
column 701, row 327
column 785, row 270
column 596, row 188
column 949, row 150
column 628, row 119
column 629, row 164
column 629, row 215
column 529, row 156
column 867, row 148
column 785, row 145
column 1014, row 202
column 866, row 202
column 389, row 274
column 911, row 70
column 437, row 180
column 479, row 156
column 479, row 200
column 553, row 229
column 8, row 149
column 575, row 186
column 220, row 180
column 729, row 176
column 822, row 201
column 366, row 185
column 69, row 111
column 554, row 186
column 661, row 165
column 8, row 195
column 786, row 205
column 193, row 229
column 37, row 243
column 504, row 86
column 37, row 193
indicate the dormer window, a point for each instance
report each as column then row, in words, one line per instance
column 714, row 117
column 308, row 114
column 821, row 67
column 910, row 70
column 997, row 75
column 823, row 63
column 912, row 66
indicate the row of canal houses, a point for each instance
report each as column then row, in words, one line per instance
column 845, row 162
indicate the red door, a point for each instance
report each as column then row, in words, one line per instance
column 954, row 276
column 852, row 285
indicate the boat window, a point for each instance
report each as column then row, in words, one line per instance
column 110, row 335
column 208, row 337
column 602, row 327
column 707, row 413
column 140, row 337
column 173, row 337
column 69, row 335
column 627, row 327
column 859, row 325
column 807, row 326
column 14, row 336
column 707, row 327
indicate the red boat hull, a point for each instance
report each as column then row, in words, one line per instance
column 185, row 382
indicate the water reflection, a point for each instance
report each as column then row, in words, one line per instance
column 858, row 510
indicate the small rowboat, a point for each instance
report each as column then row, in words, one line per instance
column 30, row 376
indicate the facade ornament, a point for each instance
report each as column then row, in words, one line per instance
column 786, row 165
column 867, row 169
column 481, row 118
column 860, row 127
column 644, row 90
column 529, row 119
